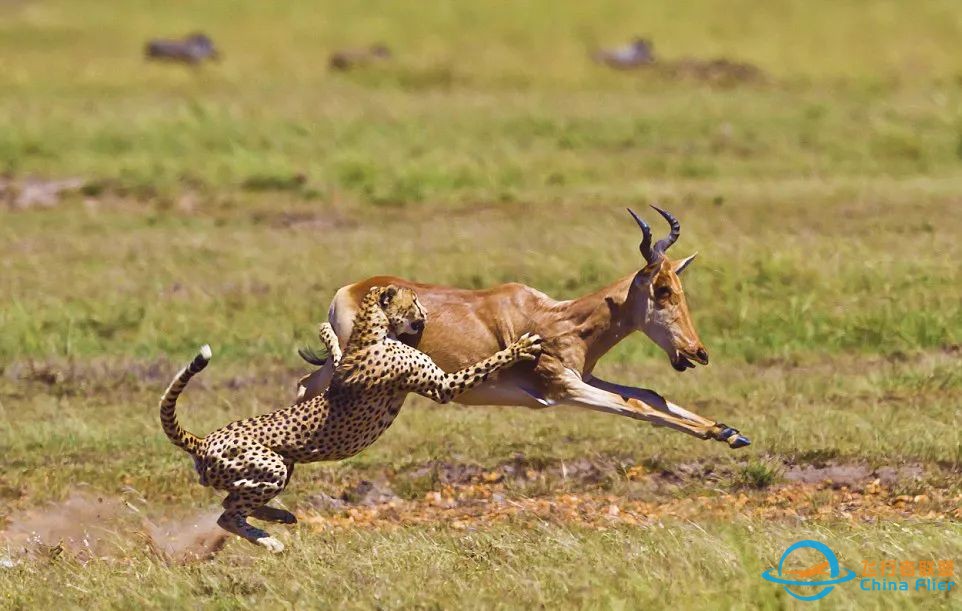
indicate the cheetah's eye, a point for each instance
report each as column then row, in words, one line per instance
column 387, row 296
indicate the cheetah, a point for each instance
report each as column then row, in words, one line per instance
column 253, row 459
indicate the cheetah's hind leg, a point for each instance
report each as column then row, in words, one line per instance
column 274, row 514
column 234, row 520
column 250, row 494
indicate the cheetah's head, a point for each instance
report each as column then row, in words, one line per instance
column 405, row 314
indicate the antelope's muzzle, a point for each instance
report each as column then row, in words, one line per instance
column 683, row 360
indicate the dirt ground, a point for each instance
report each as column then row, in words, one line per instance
column 88, row 525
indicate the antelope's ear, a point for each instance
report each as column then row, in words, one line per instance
column 387, row 295
column 681, row 265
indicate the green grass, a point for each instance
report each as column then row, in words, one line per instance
column 757, row 474
column 503, row 567
column 227, row 204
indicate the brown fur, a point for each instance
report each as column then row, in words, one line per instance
column 466, row 324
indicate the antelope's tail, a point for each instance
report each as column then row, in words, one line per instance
column 312, row 356
column 168, row 403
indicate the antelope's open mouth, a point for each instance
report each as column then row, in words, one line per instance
column 683, row 361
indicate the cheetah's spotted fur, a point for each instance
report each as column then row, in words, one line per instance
column 253, row 459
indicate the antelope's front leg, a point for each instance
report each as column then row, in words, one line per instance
column 719, row 431
column 576, row 391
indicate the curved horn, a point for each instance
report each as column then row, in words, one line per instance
column 662, row 245
column 645, row 246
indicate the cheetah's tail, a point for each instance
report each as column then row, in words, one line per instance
column 168, row 403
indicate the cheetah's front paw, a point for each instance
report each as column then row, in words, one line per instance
column 273, row 545
column 527, row 347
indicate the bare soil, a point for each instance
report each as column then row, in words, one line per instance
column 86, row 526
column 89, row 525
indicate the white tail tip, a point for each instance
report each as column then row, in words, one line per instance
column 206, row 352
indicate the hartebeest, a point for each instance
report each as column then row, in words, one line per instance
column 192, row 49
column 464, row 326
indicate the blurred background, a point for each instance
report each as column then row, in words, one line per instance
column 185, row 172
column 477, row 102
column 783, row 110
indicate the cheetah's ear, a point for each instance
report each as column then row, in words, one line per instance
column 387, row 295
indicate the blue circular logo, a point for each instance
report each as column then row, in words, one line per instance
column 828, row 567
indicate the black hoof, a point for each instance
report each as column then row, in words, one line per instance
column 732, row 437
column 738, row 441
column 725, row 433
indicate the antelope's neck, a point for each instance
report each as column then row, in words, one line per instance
column 602, row 319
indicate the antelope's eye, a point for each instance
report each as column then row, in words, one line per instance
column 662, row 293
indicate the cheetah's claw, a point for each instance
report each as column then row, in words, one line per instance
column 528, row 346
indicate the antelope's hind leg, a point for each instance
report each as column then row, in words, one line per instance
column 263, row 475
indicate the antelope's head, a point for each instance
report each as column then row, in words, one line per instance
column 660, row 307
